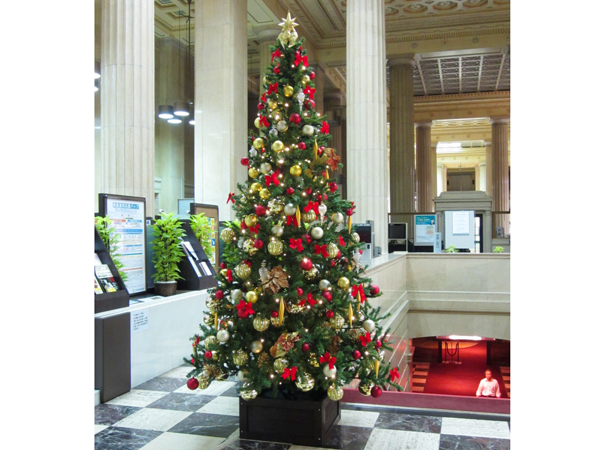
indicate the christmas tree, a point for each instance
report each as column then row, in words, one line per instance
column 291, row 312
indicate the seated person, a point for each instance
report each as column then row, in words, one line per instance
column 488, row 387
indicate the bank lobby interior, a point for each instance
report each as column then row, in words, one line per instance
column 454, row 128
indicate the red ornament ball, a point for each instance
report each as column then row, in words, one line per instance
column 378, row 343
column 312, row 75
column 258, row 244
column 289, row 191
column 306, row 264
column 374, row 290
column 260, row 106
column 356, row 354
column 193, row 384
column 376, row 392
column 333, row 187
column 327, row 295
column 223, row 265
column 302, row 145
column 219, row 294
column 349, row 211
column 305, row 347
column 274, row 314
column 208, row 354
column 295, row 118
column 309, row 103
column 245, row 161
column 260, row 210
column 330, row 314
column 276, row 70
column 300, row 292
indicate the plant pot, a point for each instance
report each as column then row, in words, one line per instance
column 299, row 422
column 165, row 288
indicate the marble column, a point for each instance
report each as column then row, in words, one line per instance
column 500, row 189
column 488, row 168
column 320, row 88
column 367, row 115
column 402, row 138
column 423, row 170
column 127, row 96
column 266, row 38
column 333, row 103
column 481, row 177
column 221, row 101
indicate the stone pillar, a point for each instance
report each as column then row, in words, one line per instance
column 433, row 173
column 441, row 179
column 266, row 38
column 500, row 191
column 127, row 96
column 402, row 138
column 424, row 163
column 481, row 177
column 221, row 101
column 320, row 88
column 488, row 168
column 367, row 115
column 333, row 101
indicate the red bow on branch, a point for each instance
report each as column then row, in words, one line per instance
column 264, row 122
column 310, row 299
column 364, row 340
column 309, row 91
column 263, row 97
column 231, row 198
column 328, row 358
column 289, row 373
column 325, row 128
column 321, row 250
column 229, row 276
column 272, row 178
column 358, row 289
column 341, row 240
column 273, row 88
column 297, row 244
column 276, row 54
column 244, row 309
column 394, row 374
column 292, row 220
column 255, row 228
column 312, row 206
column 301, row 60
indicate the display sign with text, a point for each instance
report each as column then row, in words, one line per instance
column 425, row 229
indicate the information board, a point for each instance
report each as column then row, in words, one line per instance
column 211, row 212
column 128, row 215
column 425, row 229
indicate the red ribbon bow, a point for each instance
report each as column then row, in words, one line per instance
column 292, row 220
column 358, row 289
column 264, row 122
column 312, row 205
column 244, row 309
column 325, row 127
column 255, row 228
column 272, row 178
column 311, row 300
column 394, row 374
column 328, row 358
column 276, row 54
column 229, row 276
column 321, row 250
column 341, row 240
column 364, row 340
column 310, row 92
column 273, row 88
column 301, row 59
column 296, row 243
column 264, row 97
column 231, row 198
column 289, row 373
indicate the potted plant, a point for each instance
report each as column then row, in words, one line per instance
column 451, row 249
column 499, row 249
column 202, row 230
column 167, row 254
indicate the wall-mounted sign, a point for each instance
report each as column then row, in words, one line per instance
column 425, row 229
column 461, row 222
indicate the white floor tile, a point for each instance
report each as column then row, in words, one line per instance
column 98, row 428
column 353, row 418
column 226, row 406
column 402, row 440
column 153, row 419
column 475, row 427
column 215, row 388
column 137, row 397
column 171, row 441
column 178, row 372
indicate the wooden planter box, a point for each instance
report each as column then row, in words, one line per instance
column 300, row 422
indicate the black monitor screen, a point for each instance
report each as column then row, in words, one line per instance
column 397, row 231
column 364, row 232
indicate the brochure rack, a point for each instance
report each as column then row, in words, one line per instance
column 109, row 300
column 196, row 269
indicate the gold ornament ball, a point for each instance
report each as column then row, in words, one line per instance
column 210, row 340
column 277, row 146
column 355, row 237
column 243, row 271
column 296, row 170
column 257, row 123
column 255, row 187
column 213, row 304
column 240, row 358
column 305, row 382
column 253, row 172
column 258, row 143
column 305, row 79
column 249, row 247
column 265, row 194
column 337, row 322
column 276, row 206
column 311, row 274
column 275, row 322
column 364, row 387
column 343, row 283
column 288, row 91
column 275, row 247
column 332, row 250
column 247, row 392
column 337, row 217
column 335, row 393
column 280, row 365
column 227, row 235
column 203, row 381
column 309, row 216
column 272, row 104
column 260, row 323
column 250, row 220
column 282, row 126
column 251, row 296
column 256, row 347
column 312, row 360
column 208, row 320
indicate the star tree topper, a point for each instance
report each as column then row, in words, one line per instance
column 288, row 35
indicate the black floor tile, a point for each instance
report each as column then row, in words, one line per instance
column 110, row 414
column 164, row 384
column 347, row 438
column 114, row 438
column 243, row 444
column 182, row 402
column 398, row 421
column 207, row 425
column 448, row 442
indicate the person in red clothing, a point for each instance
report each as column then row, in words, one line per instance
column 488, row 387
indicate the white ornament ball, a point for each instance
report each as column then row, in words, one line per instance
column 289, row 209
column 282, row 126
column 236, row 295
column 324, row 284
column 265, row 168
column 322, row 209
column 277, row 230
column 308, row 130
column 317, row 232
column 369, row 325
column 222, row 335
column 252, row 152
column 337, row 217
column 329, row 372
column 300, row 96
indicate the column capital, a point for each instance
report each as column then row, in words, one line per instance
column 424, row 124
column 494, row 120
column 267, row 34
column 408, row 59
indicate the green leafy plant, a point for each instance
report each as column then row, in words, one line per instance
column 167, row 248
column 499, row 249
column 201, row 228
column 451, row 249
column 109, row 237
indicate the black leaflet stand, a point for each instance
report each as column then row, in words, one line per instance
column 108, row 301
column 196, row 269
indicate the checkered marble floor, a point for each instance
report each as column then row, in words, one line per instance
column 163, row 414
